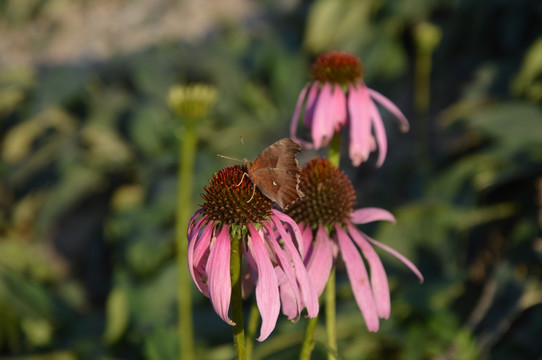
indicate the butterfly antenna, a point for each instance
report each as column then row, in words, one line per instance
column 229, row 158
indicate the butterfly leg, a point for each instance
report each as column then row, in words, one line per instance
column 253, row 192
column 242, row 177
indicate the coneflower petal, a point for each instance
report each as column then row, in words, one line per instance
column 360, row 124
column 194, row 225
column 359, row 279
column 198, row 249
column 321, row 261
column 399, row 256
column 338, row 107
column 391, row 107
column 218, row 272
column 298, row 236
column 267, row 292
column 379, row 280
column 306, row 233
column 322, row 126
column 310, row 299
column 367, row 215
column 295, row 118
column 289, row 274
column 202, row 244
column 312, row 96
column 380, row 132
column 289, row 304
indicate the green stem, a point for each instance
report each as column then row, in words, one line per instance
column 334, row 156
column 427, row 38
column 251, row 328
column 422, row 82
column 331, row 318
column 308, row 342
column 187, row 154
column 422, row 86
column 236, row 270
column 334, row 152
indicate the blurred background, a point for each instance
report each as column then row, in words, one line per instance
column 89, row 158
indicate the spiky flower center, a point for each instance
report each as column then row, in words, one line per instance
column 337, row 67
column 329, row 195
column 231, row 198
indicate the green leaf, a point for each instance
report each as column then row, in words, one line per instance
column 515, row 125
column 332, row 24
column 76, row 184
column 162, row 344
column 528, row 80
column 154, row 302
column 117, row 315
column 38, row 331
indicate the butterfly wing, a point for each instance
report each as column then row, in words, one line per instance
column 276, row 174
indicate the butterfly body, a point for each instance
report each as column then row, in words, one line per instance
column 276, row 174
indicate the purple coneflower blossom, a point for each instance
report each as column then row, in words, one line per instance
column 271, row 248
column 327, row 219
column 338, row 97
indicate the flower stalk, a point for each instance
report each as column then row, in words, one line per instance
column 334, row 155
column 427, row 37
column 252, row 326
column 187, row 153
column 331, row 316
column 308, row 341
column 236, row 270
column 191, row 104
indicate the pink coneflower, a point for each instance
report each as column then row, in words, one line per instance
column 271, row 246
column 326, row 217
column 338, row 97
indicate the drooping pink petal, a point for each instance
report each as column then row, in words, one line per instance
column 199, row 242
column 322, row 125
column 311, row 103
column 289, row 275
column 192, row 237
column 380, row 133
column 308, row 294
column 289, row 304
column 321, row 261
column 390, row 106
column 379, row 280
column 198, row 249
column 338, row 107
column 267, row 292
column 218, row 272
column 247, row 283
column 295, row 118
column 367, row 215
column 195, row 225
column 298, row 237
column 359, row 280
column 399, row 256
column 306, row 233
column 202, row 244
column 360, row 124
column 269, row 237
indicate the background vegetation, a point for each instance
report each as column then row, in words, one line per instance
column 89, row 163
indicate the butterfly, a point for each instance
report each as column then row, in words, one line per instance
column 276, row 174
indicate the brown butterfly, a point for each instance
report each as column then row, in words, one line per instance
column 276, row 174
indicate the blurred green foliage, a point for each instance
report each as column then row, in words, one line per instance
column 88, row 180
